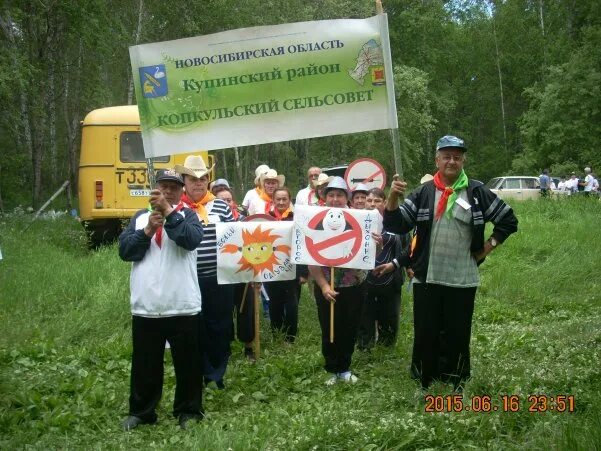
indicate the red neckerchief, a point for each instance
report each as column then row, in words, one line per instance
column 446, row 192
column 321, row 203
column 158, row 236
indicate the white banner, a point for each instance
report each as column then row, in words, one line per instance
column 254, row 252
column 339, row 237
column 264, row 84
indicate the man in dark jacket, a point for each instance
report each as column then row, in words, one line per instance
column 449, row 214
column 165, row 303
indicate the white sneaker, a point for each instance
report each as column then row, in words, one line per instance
column 348, row 377
column 332, row 380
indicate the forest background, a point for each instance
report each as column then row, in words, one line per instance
column 519, row 80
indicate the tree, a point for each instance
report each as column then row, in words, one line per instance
column 563, row 122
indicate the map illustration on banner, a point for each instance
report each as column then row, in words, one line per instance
column 264, row 84
column 367, row 171
column 337, row 237
column 254, row 252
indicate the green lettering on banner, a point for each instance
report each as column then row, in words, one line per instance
column 287, row 106
column 311, row 69
column 257, row 53
column 271, row 106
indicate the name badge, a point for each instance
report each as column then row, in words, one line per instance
column 463, row 204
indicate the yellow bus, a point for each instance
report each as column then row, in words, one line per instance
column 112, row 178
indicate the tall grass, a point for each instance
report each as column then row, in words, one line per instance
column 65, row 354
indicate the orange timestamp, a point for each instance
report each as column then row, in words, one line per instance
column 502, row 403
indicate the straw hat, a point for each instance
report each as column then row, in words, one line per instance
column 260, row 170
column 322, row 179
column 272, row 174
column 194, row 165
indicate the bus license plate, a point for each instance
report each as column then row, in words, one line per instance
column 139, row 192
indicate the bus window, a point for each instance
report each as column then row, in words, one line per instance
column 131, row 149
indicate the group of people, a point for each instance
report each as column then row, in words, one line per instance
column 589, row 185
column 435, row 237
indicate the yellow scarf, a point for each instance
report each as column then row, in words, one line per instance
column 266, row 198
column 281, row 216
column 199, row 207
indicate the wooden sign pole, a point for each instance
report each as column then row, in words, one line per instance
column 257, row 341
column 332, row 306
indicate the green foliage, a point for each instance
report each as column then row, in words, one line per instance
column 415, row 119
column 65, row 354
column 564, row 120
column 453, row 60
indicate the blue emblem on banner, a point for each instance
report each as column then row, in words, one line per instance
column 153, row 80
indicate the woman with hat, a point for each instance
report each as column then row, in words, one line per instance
column 347, row 295
column 317, row 196
column 268, row 182
column 254, row 193
column 217, row 300
column 359, row 196
column 222, row 190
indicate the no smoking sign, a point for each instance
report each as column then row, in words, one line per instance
column 334, row 250
column 366, row 171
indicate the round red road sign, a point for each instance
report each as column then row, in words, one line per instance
column 366, row 171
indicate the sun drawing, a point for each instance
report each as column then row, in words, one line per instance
column 258, row 250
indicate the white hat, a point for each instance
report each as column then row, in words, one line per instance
column 337, row 183
column 220, row 182
column 360, row 188
column 260, row 170
column 193, row 165
column 272, row 174
column 321, row 179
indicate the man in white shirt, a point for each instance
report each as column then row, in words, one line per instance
column 572, row 184
column 302, row 197
column 589, row 181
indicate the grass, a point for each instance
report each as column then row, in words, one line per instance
column 65, row 353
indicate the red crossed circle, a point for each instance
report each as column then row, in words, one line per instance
column 353, row 233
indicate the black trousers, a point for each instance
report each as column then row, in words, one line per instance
column 442, row 323
column 383, row 304
column 146, row 383
column 283, row 306
column 347, row 313
column 245, row 318
column 217, row 316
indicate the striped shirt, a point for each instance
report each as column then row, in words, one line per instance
column 386, row 255
column 206, row 259
column 451, row 262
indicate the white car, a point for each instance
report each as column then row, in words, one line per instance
column 520, row 187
